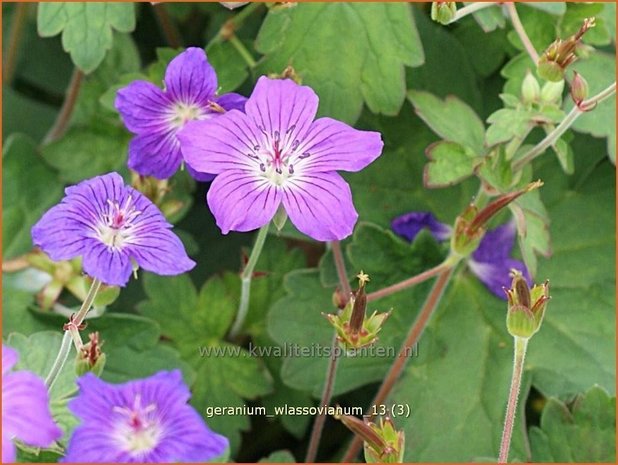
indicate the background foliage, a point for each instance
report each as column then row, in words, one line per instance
column 384, row 67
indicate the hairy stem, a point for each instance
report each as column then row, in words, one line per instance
column 242, row 50
column 413, row 281
column 64, row 116
column 246, row 276
column 565, row 124
column 509, row 420
column 169, row 29
column 20, row 15
column 416, row 330
column 331, row 371
column 472, row 8
column 65, row 346
column 521, row 32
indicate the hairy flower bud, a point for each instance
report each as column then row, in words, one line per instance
column 552, row 91
column 530, row 89
column 382, row 443
column 443, row 12
column 579, row 89
column 90, row 358
column 526, row 307
column 560, row 54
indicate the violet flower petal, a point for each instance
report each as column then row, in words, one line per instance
column 143, row 107
column 231, row 101
column 190, row 78
column 495, row 275
column 410, row 224
column 320, row 206
column 241, row 201
column 155, row 154
column 8, row 448
column 9, row 358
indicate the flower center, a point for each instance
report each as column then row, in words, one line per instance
column 183, row 112
column 277, row 155
column 138, row 430
column 116, row 224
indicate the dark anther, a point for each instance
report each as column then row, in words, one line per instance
column 256, row 147
column 262, row 167
column 276, row 135
column 304, row 155
column 278, row 170
column 291, row 169
column 290, row 129
column 295, row 144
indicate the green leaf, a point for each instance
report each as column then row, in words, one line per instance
column 490, row 18
column 231, row 68
column 30, row 187
column 507, row 124
column 583, row 432
column 22, row 113
column 280, row 456
column 599, row 71
column 196, row 324
column 344, row 80
column 451, row 119
column 449, row 164
column 540, row 28
column 553, row 8
column 86, row 28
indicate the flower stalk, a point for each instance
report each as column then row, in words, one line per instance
column 565, row 124
column 521, row 32
column 472, row 8
column 246, row 276
column 69, row 334
column 64, row 115
column 518, row 367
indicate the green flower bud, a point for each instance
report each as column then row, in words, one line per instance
column 526, row 307
column 280, row 218
column 579, row 89
column 530, row 89
column 381, row 443
column 443, row 12
column 551, row 92
column 90, row 358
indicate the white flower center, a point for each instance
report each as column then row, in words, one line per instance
column 183, row 112
column 116, row 225
column 276, row 156
column 138, row 430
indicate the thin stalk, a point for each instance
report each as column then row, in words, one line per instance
column 416, row 330
column 521, row 32
column 242, row 50
column 331, row 370
column 169, row 29
column 509, row 420
column 327, row 393
column 65, row 346
column 64, row 116
column 472, row 8
column 20, row 15
column 230, row 26
column 246, row 276
column 565, row 124
column 410, row 282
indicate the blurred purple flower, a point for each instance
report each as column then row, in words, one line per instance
column 113, row 227
column 155, row 116
column 146, row 420
column 25, row 409
column 277, row 154
column 491, row 262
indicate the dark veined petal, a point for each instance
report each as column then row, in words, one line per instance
column 155, row 154
column 410, row 224
column 190, row 78
column 159, row 251
column 231, row 101
column 113, row 267
column 143, row 107
column 333, row 145
column 220, row 144
column 281, row 105
column 201, row 177
column 242, row 201
column 25, row 409
column 496, row 244
column 320, row 206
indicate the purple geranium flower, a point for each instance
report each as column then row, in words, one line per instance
column 277, row 154
column 146, row 420
column 155, row 116
column 491, row 262
column 25, row 409
column 114, row 228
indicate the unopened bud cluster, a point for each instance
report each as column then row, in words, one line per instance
column 382, row 443
column 90, row 358
column 443, row 12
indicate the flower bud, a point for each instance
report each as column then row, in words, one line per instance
column 560, row 54
column 530, row 89
column 552, row 92
column 280, row 218
column 90, row 358
column 382, row 443
column 579, row 89
column 355, row 329
column 526, row 307
column 443, row 12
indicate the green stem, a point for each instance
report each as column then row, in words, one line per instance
column 20, row 15
column 64, row 116
column 169, row 29
column 565, row 124
column 521, row 32
column 65, row 346
column 245, row 278
column 414, row 335
column 511, row 408
column 242, row 50
column 230, row 26
column 473, row 8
